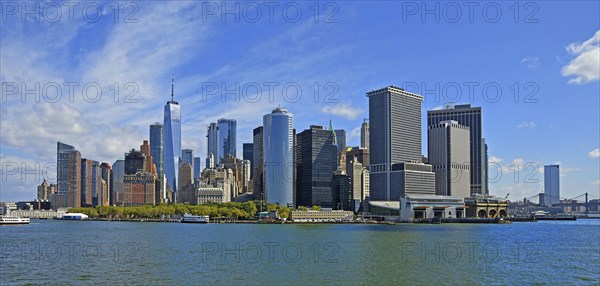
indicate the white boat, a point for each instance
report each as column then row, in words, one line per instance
column 188, row 218
column 13, row 220
column 74, row 216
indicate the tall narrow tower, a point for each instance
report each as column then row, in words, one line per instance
column 278, row 147
column 172, row 140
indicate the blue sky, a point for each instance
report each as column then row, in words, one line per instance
column 549, row 52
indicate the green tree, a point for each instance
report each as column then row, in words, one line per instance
column 316, row 208
column 284, row 212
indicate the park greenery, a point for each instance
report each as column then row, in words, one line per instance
column 231, row 210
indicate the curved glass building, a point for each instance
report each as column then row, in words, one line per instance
column 278, row 146
column 172, row 141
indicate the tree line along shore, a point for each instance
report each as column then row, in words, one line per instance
column 232, row 210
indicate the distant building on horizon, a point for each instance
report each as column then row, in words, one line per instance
column 278, row 148
column 364, row 134
column 551, row 184
column 172, row 140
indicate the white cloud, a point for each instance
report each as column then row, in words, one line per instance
column 596, row 182
column 494, row 159
column 531, row 62
column 526, row 124
column 594, row 153
column 585, row 67
column 344, row 110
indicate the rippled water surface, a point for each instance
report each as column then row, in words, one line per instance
column 52, row 252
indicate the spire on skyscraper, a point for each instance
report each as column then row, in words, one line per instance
column 172, row 87
column 332, row 130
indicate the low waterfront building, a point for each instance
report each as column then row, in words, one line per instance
column 322, row 216
column 418, row 206
column 481, row 206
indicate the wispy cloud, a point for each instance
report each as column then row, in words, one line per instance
column 344, row 110
column 526, row 124
column 594, row 153
column 531, row 62
column 585, row 66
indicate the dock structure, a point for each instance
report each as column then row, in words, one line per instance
column 486, row 207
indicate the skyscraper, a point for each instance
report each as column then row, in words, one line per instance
column 118, row 175
column 187, row 156
column 86, row 182
column 278, row 146
column 394, row 137
column 212, row 146
column 104, row 198
column 139, row 184
column 96, row 183
column 358, row 175
column 364, row 134
column 551, row 184
column 471, row 117
column 257, row 164
column 157, row 151
column 340, row 138
column 172, row 140
column 197, row 168
column 248, row 151
column 68, row 177
column 135, row 161
column 186, row 192
column 448, row 151
column 227, row 138
column 149, row 166
column 341, row 191
column 316, row 161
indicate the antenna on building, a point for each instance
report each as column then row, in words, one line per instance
column 172, row 87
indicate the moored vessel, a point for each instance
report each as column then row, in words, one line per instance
column 188, row 218
column 13, row 220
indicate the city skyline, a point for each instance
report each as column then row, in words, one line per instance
column 539, row 67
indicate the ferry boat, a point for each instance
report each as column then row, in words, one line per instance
column 13, row 220
column 188, row 218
